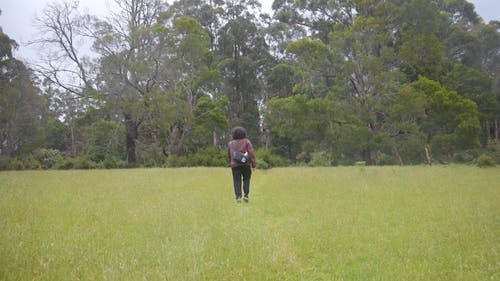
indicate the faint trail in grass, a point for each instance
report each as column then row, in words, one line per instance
column 342, row 223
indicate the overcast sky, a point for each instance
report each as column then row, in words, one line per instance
column 17, row 17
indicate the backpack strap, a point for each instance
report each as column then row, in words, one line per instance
column 232, row 143
column 232, row 146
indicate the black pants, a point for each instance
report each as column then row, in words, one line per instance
column 244, row 172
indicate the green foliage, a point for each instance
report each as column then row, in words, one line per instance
column 270, row 158
column 56, row 134
column 322, row 83
column 207, row 157
column 423, row 55
column 210, row 120
column 104, row 140
column 47, row 157
column 296, row 120
column 27, row 162
column 283, row 80
column 485, row 161
column 471, row 83
column 113, row 163
column 11, row 163
column 494, row 151
column 23, row 110
column 262, row 165
column 444, row 144
column 451, row 120
column 320, row 159
column 79, row 163
column 466, row 157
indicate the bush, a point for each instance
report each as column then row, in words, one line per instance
column 65, row 164
column 271, row 159
column 85, row 164
column 31, row 163
column 494, row 149
column 177, row 161
column 47, row 157
column 11, row 164
column 207, row 157
column 75, row 163
column 262, row 165
column 111, row 162
column 467, row 156
column 320, row 159
column 485, row 161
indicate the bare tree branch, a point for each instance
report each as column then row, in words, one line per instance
column 61, row 31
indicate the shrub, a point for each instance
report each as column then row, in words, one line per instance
column 271, row 159
column 320, row 159
column 11, row 164
column 31, row 163
column 208, row 157
column 47, row 157
column 75, row 163
column 262, row 165
column 467, row 156
column 176, row 161
column 485, row 161
column 494, row 149
column 85, row 164
column 65, row 164
column 111, row 162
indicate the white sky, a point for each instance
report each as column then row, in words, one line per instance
column 17, row 18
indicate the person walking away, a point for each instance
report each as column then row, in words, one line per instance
column 241, row 169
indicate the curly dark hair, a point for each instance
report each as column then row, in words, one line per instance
column 239, row 133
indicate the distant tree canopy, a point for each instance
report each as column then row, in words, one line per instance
column 318, row 82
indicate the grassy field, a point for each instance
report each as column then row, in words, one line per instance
column 343, row 223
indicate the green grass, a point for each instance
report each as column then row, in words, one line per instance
column 344, row 223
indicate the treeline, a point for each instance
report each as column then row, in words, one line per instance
column 379, row 82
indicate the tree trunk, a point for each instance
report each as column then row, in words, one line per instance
column 497, row 130
column 398, row 155
column 367, row 156
column 428, row 155
column 71, row 147
column 132, row 134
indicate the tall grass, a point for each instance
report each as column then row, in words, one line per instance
column 356, row 223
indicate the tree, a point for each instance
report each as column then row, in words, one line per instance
column 207, row 13
column 66, row 68
column 243, row 61
column 475, row 85
column 210, row 122
column 62, row 36
column 489, row 37
column 283, row 79
column 23, row 110
column 154, row 71
column 298, row 123
column 368, row 76
column 196, row 79
column 419, row 32
column 372, row 80
column 315, row 62
column 131, row 45
column 451, row 122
